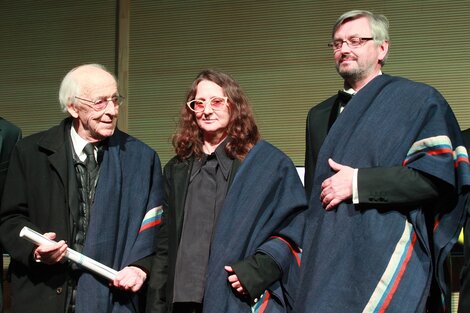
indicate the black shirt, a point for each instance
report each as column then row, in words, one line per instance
column 206, row 194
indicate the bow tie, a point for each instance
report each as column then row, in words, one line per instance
column 344, row 97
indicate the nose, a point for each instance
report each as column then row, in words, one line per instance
column 111, row 108
column 207, row 108
column 345, row 47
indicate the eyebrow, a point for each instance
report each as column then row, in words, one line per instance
column 203, row 98
column 352, row 36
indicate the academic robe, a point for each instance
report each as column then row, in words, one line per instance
column 370, row 258
column 262, row 212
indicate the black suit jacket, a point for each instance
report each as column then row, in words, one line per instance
column 319, row 120
column 376, row 186
column 36, row 195
column 464, row 299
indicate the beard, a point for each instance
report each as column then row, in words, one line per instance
column 361, row 71
column 355, row 74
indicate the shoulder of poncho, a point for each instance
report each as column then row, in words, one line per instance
column 405, row 84
column 133, row 143
column 430, row 96
column 264, row 148
column 268, row 147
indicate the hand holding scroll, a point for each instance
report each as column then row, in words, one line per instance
column 50, row 253
column 130, row 278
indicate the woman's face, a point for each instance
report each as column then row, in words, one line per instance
column 212, row 123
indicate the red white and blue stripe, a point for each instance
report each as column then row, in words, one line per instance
column 438, row 145
column 390, row 280
column 152, row 218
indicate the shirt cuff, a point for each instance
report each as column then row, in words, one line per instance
column 355, row 192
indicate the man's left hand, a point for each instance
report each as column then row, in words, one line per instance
column 338, row 187
column 130, row 278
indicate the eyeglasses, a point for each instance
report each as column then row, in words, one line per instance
column 102, row 102
column 353, row 42
column 216, row 104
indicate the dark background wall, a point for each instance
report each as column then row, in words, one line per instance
column 276, row 49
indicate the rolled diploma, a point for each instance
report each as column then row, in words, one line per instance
column 72, row 255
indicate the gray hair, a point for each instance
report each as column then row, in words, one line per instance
column 378, row 24
column 70, row 86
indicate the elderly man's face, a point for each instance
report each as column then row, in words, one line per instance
column 90, row 124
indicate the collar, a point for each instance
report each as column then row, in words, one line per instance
column 78, row 143
column 350, row 91
column 225, row 162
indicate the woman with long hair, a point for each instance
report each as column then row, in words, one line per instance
column 231, row 225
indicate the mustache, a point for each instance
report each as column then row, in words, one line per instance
column 347, row 57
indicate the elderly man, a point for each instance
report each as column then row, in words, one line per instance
column 90, row 187
column 385, row 174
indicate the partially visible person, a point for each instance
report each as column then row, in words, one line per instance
column 9, row 136
column 386, row 170
column 90, row 187
column 464, row 297
column 232, row 215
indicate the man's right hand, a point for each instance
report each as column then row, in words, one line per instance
column 51, row 253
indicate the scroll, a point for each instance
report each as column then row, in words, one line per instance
column 72, row 255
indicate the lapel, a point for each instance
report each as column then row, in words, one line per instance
column 180, row 186
column 55, row 145
column 58, row 147
column 321, row 122
column 333, row 112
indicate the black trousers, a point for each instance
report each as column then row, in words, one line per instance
column 187, row 307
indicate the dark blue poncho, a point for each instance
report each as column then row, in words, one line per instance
column 124, row 220
column 262, row 212
column 360, row 259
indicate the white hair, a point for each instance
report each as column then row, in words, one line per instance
column 70, row 86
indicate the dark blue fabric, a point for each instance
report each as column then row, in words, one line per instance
column 129, row 185
column 266, row 198
column 347, row 250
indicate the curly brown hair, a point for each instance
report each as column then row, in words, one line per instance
column 242, row 130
